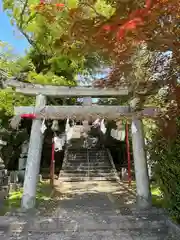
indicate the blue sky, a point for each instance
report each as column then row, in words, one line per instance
column 10, row 34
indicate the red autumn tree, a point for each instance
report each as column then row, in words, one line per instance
column 152, row 22
column 151, row 26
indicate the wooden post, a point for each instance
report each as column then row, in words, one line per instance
column 33, row 160
column 140, row 162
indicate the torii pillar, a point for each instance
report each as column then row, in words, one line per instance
column 143, row 192
column 33, row 160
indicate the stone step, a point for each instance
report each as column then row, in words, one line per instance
column 89, row 235
column 95, row 224
column 87, row 163
column 68, row 175
column 86, row 171
column 82, row 151
column 153, row 213
column 77, row 153
column 75, row 150
column 86, row 166
column 91, row 171
column 85, row 156
column 87, row 160
column 91, row 153
column 93, row 160
column 153, row 219
column 78, row 179
column 76, row 157
column 97, row 154
column 97, row 159
column 100, row 153
column 69, row 170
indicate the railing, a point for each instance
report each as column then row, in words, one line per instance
column 88, row 164
column 65, row 157
column 113, row 165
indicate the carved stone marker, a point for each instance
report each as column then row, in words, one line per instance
column 2, row 143
column 23, row 160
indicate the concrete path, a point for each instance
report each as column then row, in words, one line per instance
column 93, row 211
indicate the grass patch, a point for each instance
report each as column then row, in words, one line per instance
column 43, row 194
column 157, row 197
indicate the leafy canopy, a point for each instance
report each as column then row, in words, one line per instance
column 111, row 30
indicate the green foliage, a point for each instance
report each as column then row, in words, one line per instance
column 8, row 99
column 49, row 79
column 104, row 9
column 142, row 64
column 165, row 157
column 71, row 4
column 11, row 65
column 46, row 34
column 7, row 58
column 43, row 195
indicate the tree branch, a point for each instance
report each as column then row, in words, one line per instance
column 22, row 14
column 31, row 18
column 21, row 25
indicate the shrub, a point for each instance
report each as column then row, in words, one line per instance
column 165, row 157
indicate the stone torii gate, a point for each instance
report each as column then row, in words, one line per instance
column 87, row 111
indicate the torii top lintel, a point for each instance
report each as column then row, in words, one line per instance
column 61, row 91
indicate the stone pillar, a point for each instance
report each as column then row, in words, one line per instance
column 33, row 159
column 140, row 163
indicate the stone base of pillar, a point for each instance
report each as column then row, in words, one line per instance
column 28, row 202
column 143, row 203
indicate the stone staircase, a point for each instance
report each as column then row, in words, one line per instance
column 88, row 164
